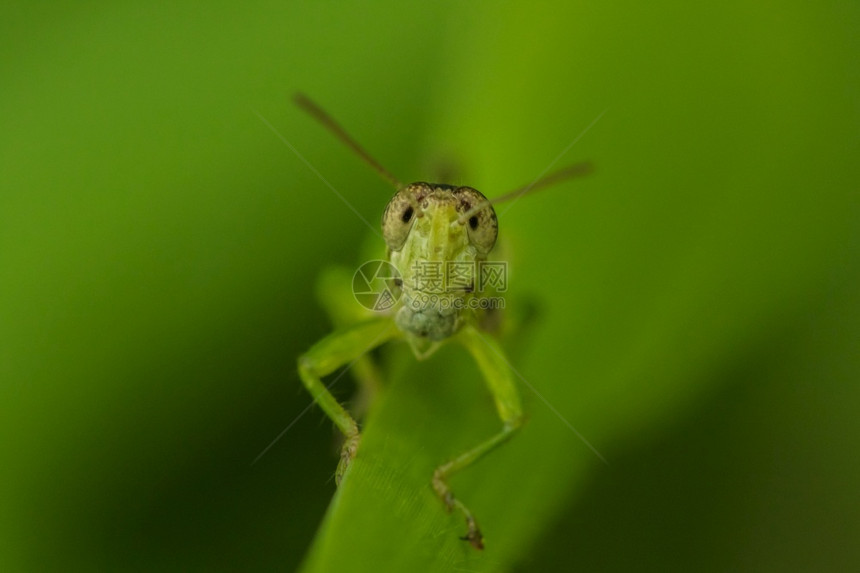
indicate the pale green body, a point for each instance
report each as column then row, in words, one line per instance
column 434, row 233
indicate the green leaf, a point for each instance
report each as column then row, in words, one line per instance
column 698, row 233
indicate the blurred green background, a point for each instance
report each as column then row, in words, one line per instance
column 699, row 311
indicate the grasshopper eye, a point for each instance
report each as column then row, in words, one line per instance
column 482, row 225
column 398, row 217
column 483, row 230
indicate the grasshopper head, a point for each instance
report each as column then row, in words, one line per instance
column 436, row 234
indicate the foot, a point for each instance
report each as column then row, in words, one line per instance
column 347, row 454
column 473, row 535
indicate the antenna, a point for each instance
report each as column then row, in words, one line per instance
column 329, row 123
column 569, row 172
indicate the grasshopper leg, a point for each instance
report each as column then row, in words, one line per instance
column 334, row 292
column 343, row 347
column 489, row 357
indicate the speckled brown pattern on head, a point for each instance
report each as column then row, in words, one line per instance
column 414, row 200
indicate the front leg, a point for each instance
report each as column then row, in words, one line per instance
column 344, row 346
column 493, row 366
column 334, row 293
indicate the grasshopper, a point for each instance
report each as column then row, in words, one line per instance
column 424, row 224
